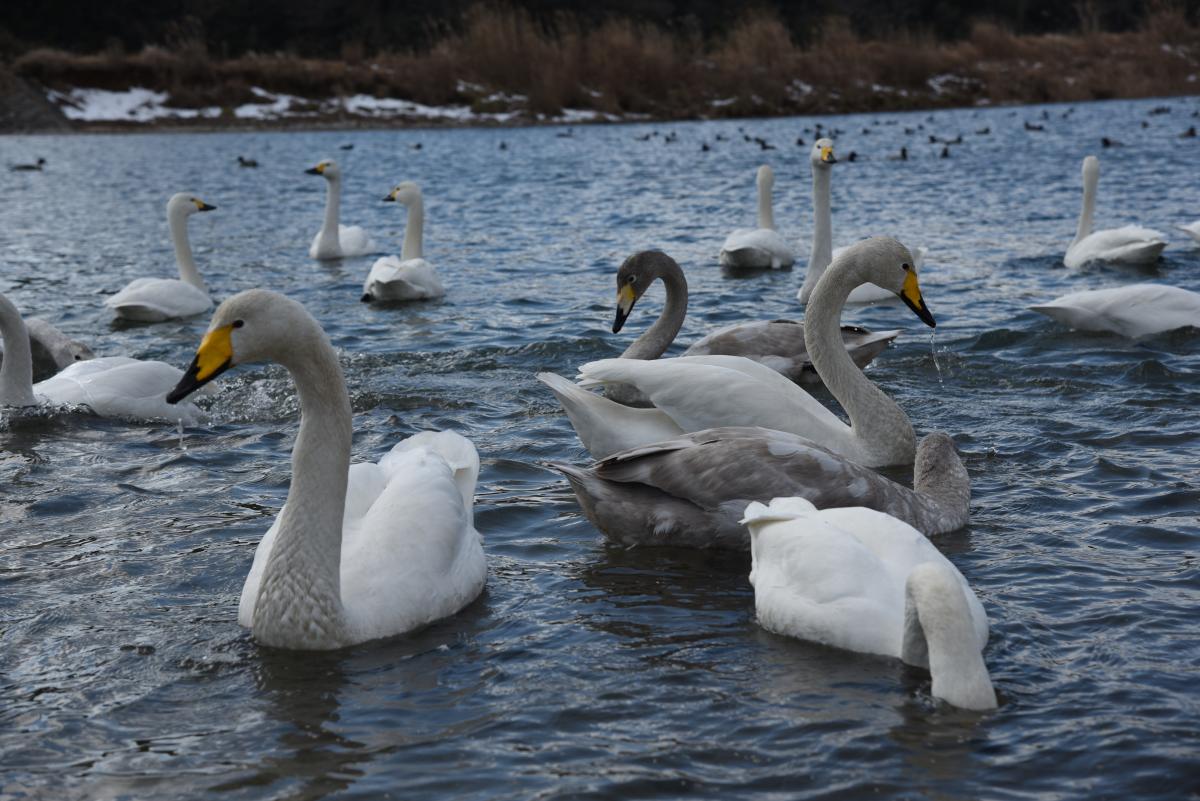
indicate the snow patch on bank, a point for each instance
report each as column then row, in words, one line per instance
column 132, row 105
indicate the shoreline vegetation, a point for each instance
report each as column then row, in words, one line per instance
column 503, row 66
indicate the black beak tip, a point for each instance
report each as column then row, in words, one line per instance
column 312, row 171
column 366, row 297
column 389, row 199
column 207, row 207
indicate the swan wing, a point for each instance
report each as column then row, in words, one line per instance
column 355, row 240
column 1192, row 230
column 1137, row 310
column 117, row 386
column 605, row 426
column 1131, row 244
column 156, row 299
column 699, row 392
column 393, row 279
column 757, row 248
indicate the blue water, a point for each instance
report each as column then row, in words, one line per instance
column 587, row 671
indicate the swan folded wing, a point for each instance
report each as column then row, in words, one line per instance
column 455, row 450
column 1134, row 311
column 720, row 466
column 159, row 298
column 1130, row 243
column 414, row 557
column 413, row 279
column 118, row 386
column 756, row 247
column 700, row 392
column 605, row 426
column 354, row 240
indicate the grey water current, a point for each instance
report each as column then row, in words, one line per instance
column 587, row 671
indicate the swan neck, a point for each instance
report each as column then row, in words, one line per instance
column 299, row 602
column 655, row 340
column 766, row 215
column 333, row 206
column 414, row 230
column 939, row 634
column 876, row 422
column 1090, row 182
column 16, row 373
column 188, row 273
column 822, row 245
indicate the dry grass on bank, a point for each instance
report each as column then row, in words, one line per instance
column 623, row 67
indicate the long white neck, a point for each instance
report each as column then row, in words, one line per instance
column 414, row 230
column 879, row 426
column 333, row 206
column 299, row 602
column 939, row 634
column 16, row 374
column 178, row 222
column 655, row 340
column 766, row 215
column 822, row 244
column 1090, row 181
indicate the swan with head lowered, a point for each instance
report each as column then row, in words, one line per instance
column 1134, row 311
column 778, row 344
column 111, row 386
column 153, row 300
column 822, row 159
column 692, row 393
column 1129, row 245
column 51, row 349
column 409, row 277
column 334, row 240
column 762, row 247
column 1192, row 230
column 859, row 579
column 361, row 551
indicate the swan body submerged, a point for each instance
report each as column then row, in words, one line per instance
column 334, row 240
column 409, row 277
column 700, row 392
column 112, row 386
column 1135, row 311
column 1130, row 245
column 859, row 579
column 151, row 300
column 761, row 247
column 777, row 344
column 357, row 552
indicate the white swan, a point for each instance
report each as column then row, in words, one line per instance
column 762, row 247
column 1192, row 230
column 156, row 299
column 112, row 386
column 357, row 552
column 692, row 393
column 862, row 580
column 1135, row 311
column 822, row 159
column 51, row 349
column 409, row 277
column 1130, row 245
column 334, row 240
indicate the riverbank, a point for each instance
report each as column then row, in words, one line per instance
column 505, row 69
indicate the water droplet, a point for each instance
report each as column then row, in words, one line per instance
column 179, row 428
column 933, row 350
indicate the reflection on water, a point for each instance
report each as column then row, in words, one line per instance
column 588, row 671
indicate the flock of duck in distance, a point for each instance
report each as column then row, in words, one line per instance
column 721, row 447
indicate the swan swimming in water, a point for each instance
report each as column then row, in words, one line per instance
column 361, row 551
column 111, row 386
column 334, row 240
column 821, row 158
column 692, row 393
column 778, row 344
column 859, row 579
column 153, row 300
column 1134, row 311
column 762, row 247
column 1129, row 245
column 409, row 277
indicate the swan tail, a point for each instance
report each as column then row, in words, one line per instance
column 940, row 476
column 778, row 509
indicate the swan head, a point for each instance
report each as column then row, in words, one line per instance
column 406, row 192
column 183, row 204
column 634, row 277
column 327, row 169
column 766, row 177
column 255, row 325
column 822, row 153
column 885, row 262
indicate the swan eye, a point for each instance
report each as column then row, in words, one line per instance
column 238, row 323
column 906, row 267
column 631, row 279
